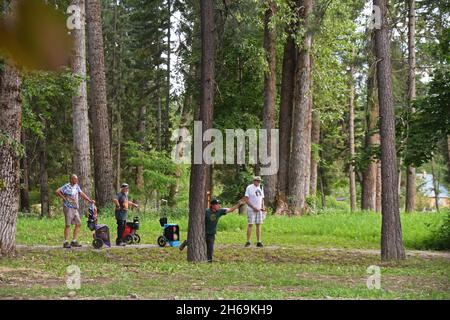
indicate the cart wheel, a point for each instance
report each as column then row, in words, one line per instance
column 162, row 241
column 137, row 238
column 129, row 239
column 97, row 243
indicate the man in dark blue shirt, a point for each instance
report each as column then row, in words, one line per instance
column 212, row 216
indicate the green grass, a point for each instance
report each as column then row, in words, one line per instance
column 343, row 230
column 283, row 273
column 298, row 262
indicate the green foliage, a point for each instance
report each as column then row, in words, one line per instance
column 366, row 157
column 431, row 121
column 240, row 66
column 234, row 185
column 313, row 202
column 159, row 169
column 42, row 94
column 441, row 238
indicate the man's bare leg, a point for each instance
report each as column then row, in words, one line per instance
column 249, row 232
column 75, row 232
column 258, row 232
column 66, row 232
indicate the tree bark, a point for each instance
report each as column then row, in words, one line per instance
column 43, row 176
column 448, row 153
column 158, row 106
column 199, row 172
column 435, row 184
column 103, row 171
column 411, row 171
column 81, row 144
column 371, row 141
column 322, row 181
column 351, row 129
column 141, row 132
column 378, row 188
column 285, row 122
column 299, row 164
column 24, row 181
column 119, row 148
column 315, row 140
column 167, row 108
column 116, row 108
column 270, row 181
column 187, row 103
column 10, row 126
column 391, row 230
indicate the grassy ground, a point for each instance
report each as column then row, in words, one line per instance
column 343, row 230
column 297, row 263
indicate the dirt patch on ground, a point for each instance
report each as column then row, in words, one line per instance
column 398, row 283
column 24, row 277
column 28, row 277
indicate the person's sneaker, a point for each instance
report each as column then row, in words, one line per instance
column 75, row 244
column 247, row 244
column 66, row 245
column 259, row 244
column 120, row 244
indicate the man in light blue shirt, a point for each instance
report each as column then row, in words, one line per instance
column 69, row 193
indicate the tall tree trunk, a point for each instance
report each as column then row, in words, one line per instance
column 378, row 188
column 448, row 154
column 299, row 164
column 119, row 148
column 141, row 132
column 411, row 171
column 285, row 122
column 315, row 141
column 435, row 184
column 196, row 228
column 167, row 108
column 99, row 111
column 43, row 173
column 270, row 181
column 187, row 105
column 209, row 183
column 351, row 129
column 158, row 105
column 24, row 181
column 399, row 176
column 116, row 139
column 371, row 141
column 391, row 229
column 10, row 125
column 322, row 175
column 81, row 144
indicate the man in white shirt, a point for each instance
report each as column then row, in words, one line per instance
column 254, row 196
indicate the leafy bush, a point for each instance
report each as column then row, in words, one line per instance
column 440, row 240
column 173, row 212
column 234, row 186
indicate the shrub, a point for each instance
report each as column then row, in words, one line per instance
column 441, row 237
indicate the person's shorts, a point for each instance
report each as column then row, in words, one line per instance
column 121, row 214
column 71, row 216
column 255, row 217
